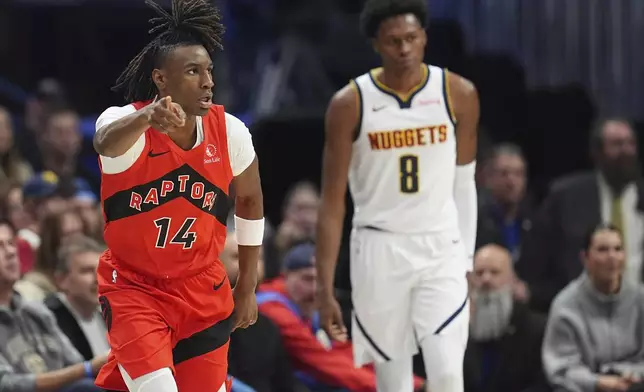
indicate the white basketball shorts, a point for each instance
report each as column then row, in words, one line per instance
column 406, row 287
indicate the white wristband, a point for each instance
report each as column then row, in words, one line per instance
column 249, row 232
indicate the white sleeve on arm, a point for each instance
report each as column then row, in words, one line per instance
column 240, row 145
column 121, row 163
column 467, row 207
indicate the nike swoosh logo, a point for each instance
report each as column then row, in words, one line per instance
column 153, row 154
column 377, row 109
column 217, row 286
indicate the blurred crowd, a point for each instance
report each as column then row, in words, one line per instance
column 556, row 291
column 557, row 302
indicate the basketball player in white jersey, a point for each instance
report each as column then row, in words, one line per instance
column 404, row 137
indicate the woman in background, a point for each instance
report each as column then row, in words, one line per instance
column 57, row 227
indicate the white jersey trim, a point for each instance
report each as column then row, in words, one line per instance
column 240, row 144
column 447, row 97
column 360, row 103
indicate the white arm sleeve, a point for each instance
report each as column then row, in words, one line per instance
column 240, row 145
column 121, row 163
column 467, row 207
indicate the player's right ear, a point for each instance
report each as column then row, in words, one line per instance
column 159, row 79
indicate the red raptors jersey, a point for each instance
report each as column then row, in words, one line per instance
column 166, row 215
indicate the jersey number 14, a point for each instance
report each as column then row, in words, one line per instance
column 409, row 174
column 183, row 236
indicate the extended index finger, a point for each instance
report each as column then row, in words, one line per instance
column 166, row 102
column 178, row 110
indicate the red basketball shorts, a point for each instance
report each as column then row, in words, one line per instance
column 181, row 324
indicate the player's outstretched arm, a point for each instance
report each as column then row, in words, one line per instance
column 341, row 121
column 249, row 228
column 465, row 104
column 117, row 137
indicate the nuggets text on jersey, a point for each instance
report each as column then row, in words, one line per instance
column 402, row 138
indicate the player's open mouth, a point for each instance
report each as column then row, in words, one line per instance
column 205, row 102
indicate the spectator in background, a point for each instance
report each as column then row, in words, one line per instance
column 40, row 196
column 299, row 218
column 12, row 204
column 504, row 348
column 505, row 217
column 614, row 192
column 34, row 354
column 61, row 142
column 289, row 301
column 76, row 306
column 256, row 355
column 12, row 167
column 484, row 150
column 85, row 202
column 49, row 95
column 57, row 227
column 12, row 209
column 595, row 331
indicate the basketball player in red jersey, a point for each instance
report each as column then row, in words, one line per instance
column 167, row 162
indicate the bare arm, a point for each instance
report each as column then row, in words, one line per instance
column 45, row 382
column 116, row 138
column 340, row 124
column 249, row 205
column 465, row 105
column 54, row 381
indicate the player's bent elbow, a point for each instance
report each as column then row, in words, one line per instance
column 101, row 151
column 101, row 146
column 104, row 149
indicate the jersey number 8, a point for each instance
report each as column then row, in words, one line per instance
column 409, row 174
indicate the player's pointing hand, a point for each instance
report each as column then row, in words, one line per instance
column 165, row 115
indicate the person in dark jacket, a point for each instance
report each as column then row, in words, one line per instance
column 505, row 216
column 76, row 306
column 503, row 350
column 613, row 192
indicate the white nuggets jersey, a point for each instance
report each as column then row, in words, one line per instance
column 404, row 157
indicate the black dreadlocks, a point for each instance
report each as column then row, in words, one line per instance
column 376, row 11
column 192, row 22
